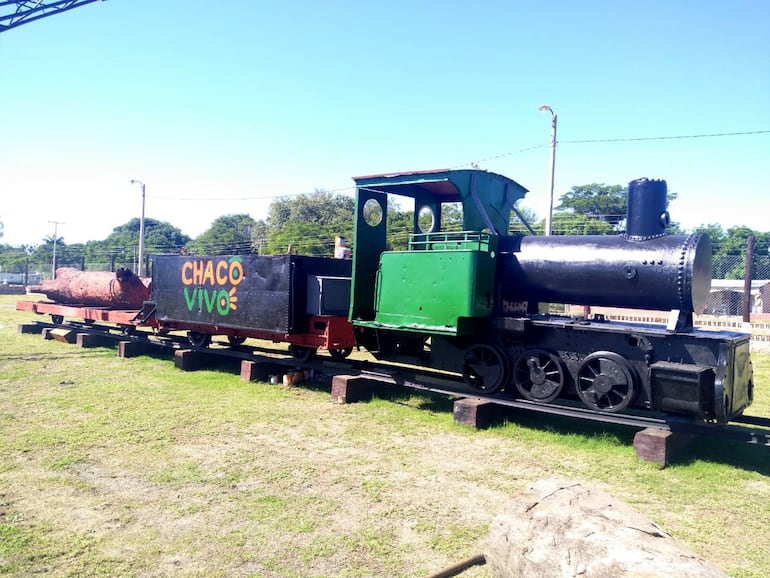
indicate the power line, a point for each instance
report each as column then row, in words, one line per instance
column 633, row 139
column 476, row 162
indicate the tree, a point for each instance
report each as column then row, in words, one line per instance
column 14, row 259
column 228, row 235
column 600, row 201
column 400, row 225
column 575, row 224
column 309, row 223
column 259, row 237
column 66, row 255
column 605, row 202
column 517, row 227
column 120, row 248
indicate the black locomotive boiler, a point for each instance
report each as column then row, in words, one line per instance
column 469, row 301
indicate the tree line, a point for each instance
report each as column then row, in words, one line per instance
column 308, row 224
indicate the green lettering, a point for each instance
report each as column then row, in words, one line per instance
column 190, row 299
column 211, row 298
column 223, row 302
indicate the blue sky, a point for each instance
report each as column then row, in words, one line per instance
column 218, row 107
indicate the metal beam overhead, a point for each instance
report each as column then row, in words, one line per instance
column 13, row 14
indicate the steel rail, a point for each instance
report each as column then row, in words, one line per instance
column 445, row 384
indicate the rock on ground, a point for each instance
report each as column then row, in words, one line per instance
column 557, row 528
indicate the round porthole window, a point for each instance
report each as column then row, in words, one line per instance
column 426, row 220
column 372, row 212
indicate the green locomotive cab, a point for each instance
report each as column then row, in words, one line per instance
column 444, row 282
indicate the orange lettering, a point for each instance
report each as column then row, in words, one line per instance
column 221, row 272
column 236, row 273
column 187, row 273
column 208, row 273
column 198, row 272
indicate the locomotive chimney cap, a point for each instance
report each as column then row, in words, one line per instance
column 646, row 214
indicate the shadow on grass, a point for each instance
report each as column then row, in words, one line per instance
column 746, row 456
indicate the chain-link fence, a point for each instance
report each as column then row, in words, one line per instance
column 729, row 283
column 726, row 297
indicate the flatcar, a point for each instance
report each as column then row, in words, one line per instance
column 470, row 301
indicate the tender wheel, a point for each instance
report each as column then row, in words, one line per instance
column 57, row 319
column 235, row 340
column 340, row 353
column 199, row 340
column 301, row 353
column 484, row 368
column 606, row 382
column 538, row 375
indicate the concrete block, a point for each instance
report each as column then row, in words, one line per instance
column 661, row 446
column 188, row 359
column 351, row 388
column 258, row 371
column 476, row 412
column 133, row 348
column 32, row 328
column 94, row 340
column 63, row 335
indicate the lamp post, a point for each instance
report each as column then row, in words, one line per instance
column 55, row 236
column 549, row 216
column 141, row 231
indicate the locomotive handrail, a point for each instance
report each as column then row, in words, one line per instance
column 450, row 241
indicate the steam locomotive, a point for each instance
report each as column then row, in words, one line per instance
column 471, row 302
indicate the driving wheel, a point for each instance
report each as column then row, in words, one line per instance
column 484, row 368
column 539, row 376
column 606, row 382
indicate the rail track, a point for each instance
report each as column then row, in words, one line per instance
column 753, row 430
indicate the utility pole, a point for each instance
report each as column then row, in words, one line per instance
column 140, row 264
column 55, row 239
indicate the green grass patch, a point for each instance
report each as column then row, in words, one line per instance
column 115, row 466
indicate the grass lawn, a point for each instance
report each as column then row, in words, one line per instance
column 130, row 467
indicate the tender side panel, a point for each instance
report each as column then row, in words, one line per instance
column 275, row 294
column 224, row 291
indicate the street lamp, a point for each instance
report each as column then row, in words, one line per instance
column 548, row 217
column 141, row 231
column 55, row 236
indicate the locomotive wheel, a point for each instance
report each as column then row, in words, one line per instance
column 199, row 340
column 57, row 319
column 235, row 340
column 340, row 353
column 484, row 368
column 539, row 376
column 605, row 382
column 301, row 353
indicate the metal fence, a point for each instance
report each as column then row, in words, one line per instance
column 724, row 266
